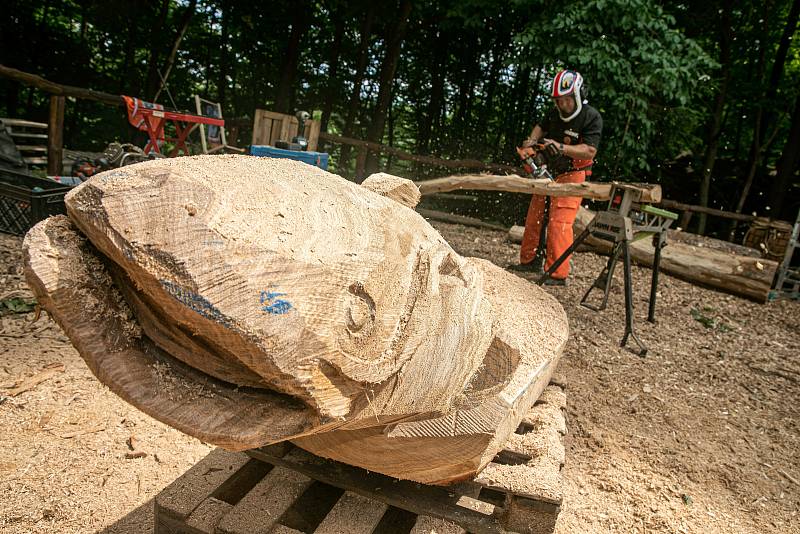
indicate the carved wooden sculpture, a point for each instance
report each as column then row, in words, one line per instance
column 349, row 324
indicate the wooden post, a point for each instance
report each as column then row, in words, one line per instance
column 686, row 216
column 361, row 162
column 55, row 136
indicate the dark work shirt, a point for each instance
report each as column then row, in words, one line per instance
column 585, row 128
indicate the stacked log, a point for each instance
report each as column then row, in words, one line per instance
column 716, row 267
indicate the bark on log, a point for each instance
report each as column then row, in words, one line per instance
column 538, row 186
column 408, row 359
column 716, row 268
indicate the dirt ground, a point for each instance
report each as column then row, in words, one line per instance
column 702, row 435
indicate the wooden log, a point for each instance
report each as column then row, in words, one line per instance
column 290, row 278
column 75, row 287
column 711, row 266
column 537, row 186
column 399, row 189
column 59, row 89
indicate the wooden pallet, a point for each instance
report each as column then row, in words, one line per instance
column 282, row 489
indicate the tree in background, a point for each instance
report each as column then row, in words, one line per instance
column 681, row 86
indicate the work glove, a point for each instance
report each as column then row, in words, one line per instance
column 553, row 149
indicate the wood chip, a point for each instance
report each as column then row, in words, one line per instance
column 49, row 371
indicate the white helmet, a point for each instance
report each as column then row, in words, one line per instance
column 568, row 82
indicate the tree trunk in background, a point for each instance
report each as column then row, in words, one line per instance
column 756, row 146
column 394, row 43
column 361, row 67
column 467, row 63
column 124, row 75
column 332, row 86
column 222, row 82
column 511, row 125
column 285, row 91
column 778, row 66
column 715, row 126
column 498, row 57
column 183, row 25
column 429, row 119
column 151, row 82
column 787, row 164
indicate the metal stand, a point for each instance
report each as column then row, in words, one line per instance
column 787, row 278
column 617, row 225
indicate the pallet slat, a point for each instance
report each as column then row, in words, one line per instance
column 353, row 513
column 262, row 507
column 282, row 489
column 417, row 498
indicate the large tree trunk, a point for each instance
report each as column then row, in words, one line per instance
column 776, row 73
column 715, row 125
column 332, row 87
column 787, row 166
column 408, row 359
column 291, row 57
column 183, row 25
column 361, row 67
column 222, row 81
column 155, row 42
column 394, row 43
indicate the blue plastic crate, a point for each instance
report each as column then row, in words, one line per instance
column 317, row 159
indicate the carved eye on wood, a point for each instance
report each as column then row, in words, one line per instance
column 360, row 311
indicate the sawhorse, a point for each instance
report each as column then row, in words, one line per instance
column 626, row 219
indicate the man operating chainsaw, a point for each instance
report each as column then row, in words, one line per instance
column 566, row 140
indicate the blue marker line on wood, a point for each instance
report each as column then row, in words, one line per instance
column 273, row 304
column 195, row 302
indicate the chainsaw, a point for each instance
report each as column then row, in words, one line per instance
column 533, row 163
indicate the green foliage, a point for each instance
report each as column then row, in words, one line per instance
column 641, row 72
column 471, row 81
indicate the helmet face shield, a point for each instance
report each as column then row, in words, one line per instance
column 568, row 83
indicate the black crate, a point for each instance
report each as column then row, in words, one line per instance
column 25, row 200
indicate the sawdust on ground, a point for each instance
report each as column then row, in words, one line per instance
column 699, row 436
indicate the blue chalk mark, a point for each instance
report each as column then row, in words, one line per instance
column 195, row 302
column 273, row 304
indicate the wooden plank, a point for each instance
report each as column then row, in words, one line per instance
column 55, row 139
column 434, row 525
column 23, row 123
column 31, row 148
column 354, row 514
column 35, row 160
column 264, row 505
column 27, row 135
column 416, row 498
column 181, row 497
column 207, row 516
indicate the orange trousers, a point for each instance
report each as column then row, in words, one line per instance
column 563, row 211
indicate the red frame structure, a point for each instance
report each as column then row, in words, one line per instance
column 155, row 120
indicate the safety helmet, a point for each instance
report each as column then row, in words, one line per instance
column 568, row 82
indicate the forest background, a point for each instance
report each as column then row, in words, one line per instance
column 702, row 97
